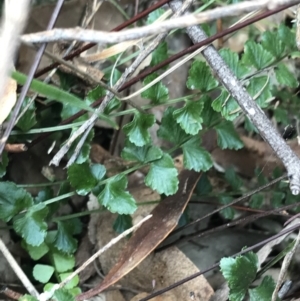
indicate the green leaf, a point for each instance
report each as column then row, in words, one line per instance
column 160, row 54
column 285, row 77
column 84, row 154
column 42, row 272
column 27, row 298
column 44, row 195
column 211, row 116
column 260, row 89
column 239, row 272
column 154, row 15
column 28, row 120
column 264, row 291
column 137, row 129
column 72, row 283
column 64, row 241
column 158, row 93
column 287, row 37
column 227, row 105
column 196, row 157
column 277, row 198
column 3, row 164
column 122, row 223
column 99, row 92
column 272, row 43
column 36, row 252
column 115, row 198
column 13, row 200
column 32, row 226
column 51, row 92
column 256, row 200
column 162, row 176
column 203, row 186
column 232, row 60
column 227, row 136
column 200, row 77
column 62, row 262
column 189, row 116
column 63, row 294
column 233, row 179
column 170, row 130
column 144, row 154
column 228, row 212
column 255, row 55
column 84, row 177
column 281, row 115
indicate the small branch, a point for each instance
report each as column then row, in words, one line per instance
column 16, row 268
column 137, row 33
column 248, row 105
column 128, row 72
column 285, row 265
column 48, row 295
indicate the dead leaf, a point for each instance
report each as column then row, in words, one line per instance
column 151, row 233
column 8, row 100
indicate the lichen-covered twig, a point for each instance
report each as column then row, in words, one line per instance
column 248, row 105
column 140, row 32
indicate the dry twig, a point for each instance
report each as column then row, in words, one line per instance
column 19, row 272
column 140, row 32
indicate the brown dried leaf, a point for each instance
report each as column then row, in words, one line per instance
column 8, row 100
column 151, row 233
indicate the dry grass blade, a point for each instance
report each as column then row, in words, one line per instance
column 164, row 219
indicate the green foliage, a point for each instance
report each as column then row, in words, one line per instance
column 285, row 77
column 160, row 54
column 51, row 92
column 63, row 294
column 115, row 198
column 32, row 226
column 162, row 176
column 28, row 120
column 200, row 77
column 229, row 212
column 239, row 273
column 64, row 241
column 3, row 164
column 256, row 201
column 144, row 154
column 264, row 70
column 232, row 60
column 189, row 116
column 255, row 55
column 158, row 93
column 196, row 157
column 264, row 291
column 84, row 177
column 154, row 15
column 42, row 272
column 13, row 200
column 227, row 136
column 137, row 129
column 233, row 179
column 122, row 223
